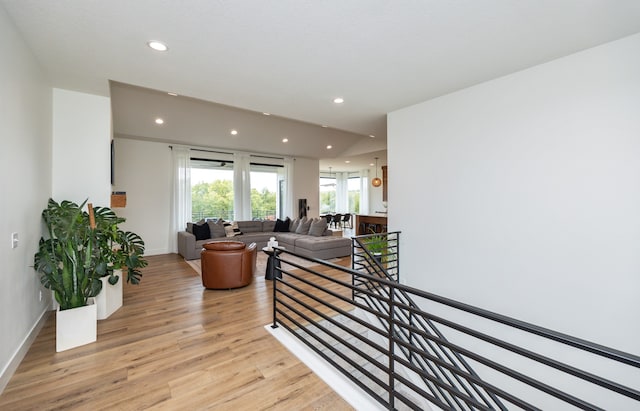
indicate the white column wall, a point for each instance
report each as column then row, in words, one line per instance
column 306, row 180
column 81, row 147
column 522, row 195
column 25, row 181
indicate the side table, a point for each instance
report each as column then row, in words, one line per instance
column 272, row 264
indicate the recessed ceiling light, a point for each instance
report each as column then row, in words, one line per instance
column 266, row 114
column 159, row 121
column 372, row 136
column 157, row 45
column 324, row 126
column 172, row 94
column 329, row 147
column 338, row 100
column 370, row 164
column 347, row 161
column 234, row 132
column 284, row 140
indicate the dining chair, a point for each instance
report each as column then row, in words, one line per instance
column 346, row 220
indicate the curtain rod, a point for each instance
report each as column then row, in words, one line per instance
column 231, row 153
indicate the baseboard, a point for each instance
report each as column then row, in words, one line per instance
column 156, row 251
column 15, row 361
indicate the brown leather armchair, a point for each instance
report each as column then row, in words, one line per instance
column 228, row 264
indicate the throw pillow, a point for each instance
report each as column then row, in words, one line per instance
column 294, row 225
column 201, row 232
column 190, row 226
column 282, row 226
column 216, row 228
column 231, row 229
column 303, row 227
column 317, row 227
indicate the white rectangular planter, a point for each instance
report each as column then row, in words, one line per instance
column 76, row 327
column 110, row 298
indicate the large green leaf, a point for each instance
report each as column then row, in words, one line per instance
column 113, row 279
column 95, row 287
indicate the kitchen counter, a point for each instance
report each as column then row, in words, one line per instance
column 378, row 222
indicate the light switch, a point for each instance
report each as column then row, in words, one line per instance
column 14, row 240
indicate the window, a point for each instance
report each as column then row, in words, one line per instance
column 211, row 189
column 327, row 195
column 265, row 191
column 340, row 192
column 218, row 191
column 353, row 194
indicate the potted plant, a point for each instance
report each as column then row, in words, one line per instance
column 377, row 245
column 118, row 250
column 82, row 247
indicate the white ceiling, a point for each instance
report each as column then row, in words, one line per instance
column 292, row 57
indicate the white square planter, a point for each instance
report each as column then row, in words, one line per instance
column 76, row 327
column 110, row 297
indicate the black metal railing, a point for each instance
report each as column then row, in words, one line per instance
column 377, row 255
column 310, row 303
column 403, row 346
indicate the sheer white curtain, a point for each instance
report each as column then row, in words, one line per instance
column 180, row 193
column 364, row 191
column 242, row 186
column 342, row 197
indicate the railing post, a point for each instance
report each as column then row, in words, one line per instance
column 271, row 265
column 392, row 371
column 353, row 267
column 398, row 255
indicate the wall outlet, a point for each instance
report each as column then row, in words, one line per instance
column 14, row 240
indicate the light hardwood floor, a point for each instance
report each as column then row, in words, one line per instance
column 172, row 346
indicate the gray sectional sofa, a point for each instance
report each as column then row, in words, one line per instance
column 310, row 238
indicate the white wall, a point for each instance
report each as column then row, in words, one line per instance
column 25, row 178
column 143, row 170
column 306, row 184
column 81, row 147
column 522, row 195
